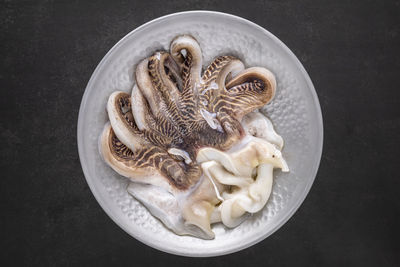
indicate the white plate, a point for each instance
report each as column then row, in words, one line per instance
column 295, row 111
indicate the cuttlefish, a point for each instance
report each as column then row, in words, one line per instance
column 193, row 142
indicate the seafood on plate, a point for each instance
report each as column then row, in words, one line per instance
column 193, row 142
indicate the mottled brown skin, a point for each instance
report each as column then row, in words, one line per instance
column 155, row 157
column 178, row 122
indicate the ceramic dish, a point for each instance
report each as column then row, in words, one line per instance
column 295, row 112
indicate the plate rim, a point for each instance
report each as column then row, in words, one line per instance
column 291, row 209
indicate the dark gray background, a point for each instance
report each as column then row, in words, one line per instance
column 49, row 50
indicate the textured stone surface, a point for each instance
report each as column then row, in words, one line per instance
column 49, row 51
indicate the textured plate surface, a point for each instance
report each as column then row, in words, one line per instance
column 295, row 112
